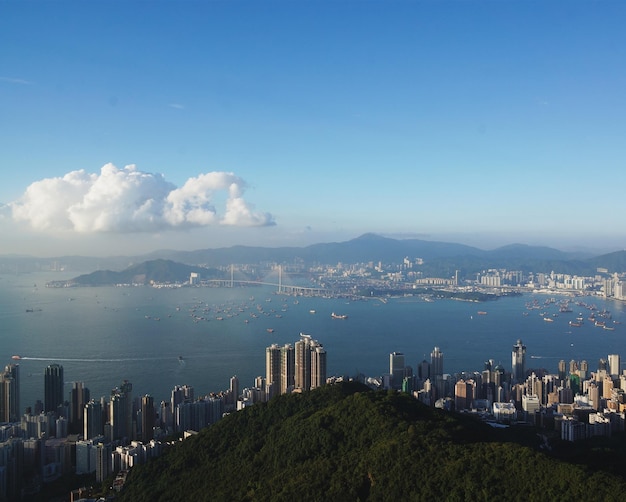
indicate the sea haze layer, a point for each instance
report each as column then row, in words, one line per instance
column 159, row 338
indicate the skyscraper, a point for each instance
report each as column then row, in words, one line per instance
column 180, row 395
column 310, row 363
column 79, row 396
column 103, row 461
column 121, row 412
column 436, row 363
column 423, row 370
column 318, row 366
column 396, row 369
column 303, row 362
column 287, row 368
column 117, row 416
column 518, row 362
column 92, row 420
column 234, row 388
column 10, row 393
column 614, row 365
column 272, row 370
column 562, row 370
column 53, row 387
column 148, row 418
column 463, row 394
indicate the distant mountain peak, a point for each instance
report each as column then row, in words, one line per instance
column 370, row 236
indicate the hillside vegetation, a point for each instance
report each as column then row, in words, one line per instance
column 160, row 271
column 344, row 442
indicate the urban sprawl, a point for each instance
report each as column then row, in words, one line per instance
column 105, row 436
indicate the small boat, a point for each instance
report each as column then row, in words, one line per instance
column 311, row 311
column 548, row 319
column 16, row 357
column 338, row 316
column 270, row 330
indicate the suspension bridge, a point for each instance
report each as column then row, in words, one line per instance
column 282, row 288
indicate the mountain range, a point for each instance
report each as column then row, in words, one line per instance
column 439, row 258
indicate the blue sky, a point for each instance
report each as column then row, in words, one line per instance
column 289, row 123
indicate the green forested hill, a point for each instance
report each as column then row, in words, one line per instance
column 164, row 271
column 344, row 442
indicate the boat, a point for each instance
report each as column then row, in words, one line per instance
column 270, row 330
column 16, row 357
column 311, row 311
column 548, row 319
column 482, row 312
column 610, row 328
column 338, row 316
column 575, row 324
column 180, row 358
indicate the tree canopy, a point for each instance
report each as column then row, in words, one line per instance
column 345, row 442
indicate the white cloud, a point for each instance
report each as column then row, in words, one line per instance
column 129, row 200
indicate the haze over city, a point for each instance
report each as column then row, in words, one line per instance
column 134, row 126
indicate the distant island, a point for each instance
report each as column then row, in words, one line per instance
column 149, row 272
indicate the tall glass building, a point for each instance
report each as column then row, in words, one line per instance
column 53, row 387
column 518, row 362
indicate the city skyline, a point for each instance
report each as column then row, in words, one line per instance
column 125, row 432
column 287, row 370
column 296, row 123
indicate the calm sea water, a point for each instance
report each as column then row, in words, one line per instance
column 104, row 335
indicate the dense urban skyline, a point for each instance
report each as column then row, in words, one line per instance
column 291, row 123
column 573, row 400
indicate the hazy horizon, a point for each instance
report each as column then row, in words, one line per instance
column 137, row 126
column 473, row 241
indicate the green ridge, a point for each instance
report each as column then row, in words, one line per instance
column 345, row 442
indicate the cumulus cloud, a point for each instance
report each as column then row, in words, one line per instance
column 129, row 200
